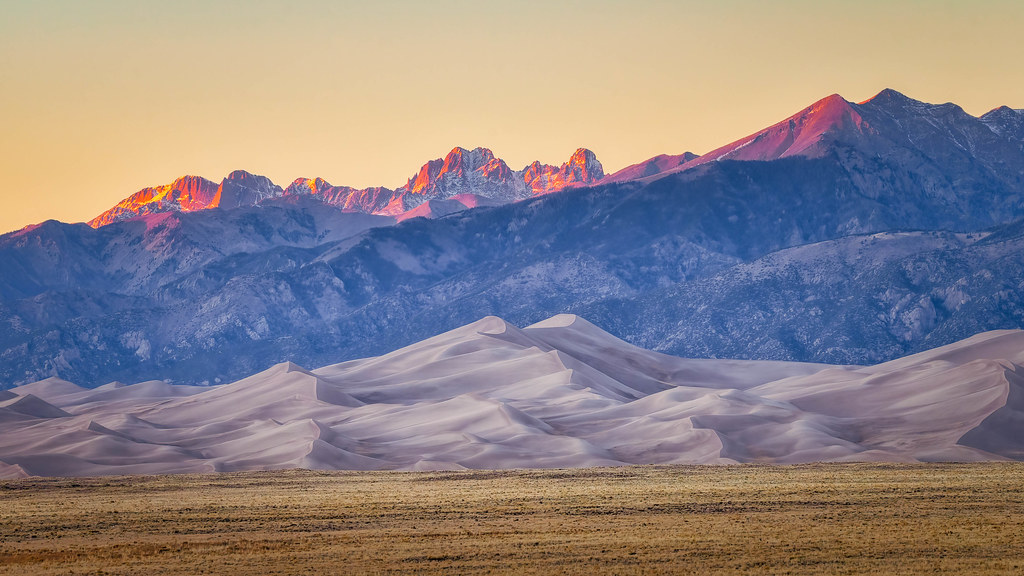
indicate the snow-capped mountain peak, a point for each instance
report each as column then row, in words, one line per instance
column 1007, row 122
column 476, row 172
column 241, row 188
column 461, row 171
column 302, row 186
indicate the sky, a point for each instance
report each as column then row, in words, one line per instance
column 99, row 99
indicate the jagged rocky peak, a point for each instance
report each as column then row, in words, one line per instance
column 457, row 167
column 480, row 172
column 1004, row 112
column 473, row 159
column 304, row 186
column 462, row 171
column 495, row 168
column 533, row 170
column 192, row 192
column 461, row 161
column 427, row 174
column 249, row 180
column 896, row 104
column 192, row 185
column 583, row 167
column 185, row 194
column 1006, row 122
column 242, row 188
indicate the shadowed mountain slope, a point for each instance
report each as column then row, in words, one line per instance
column 667, row 261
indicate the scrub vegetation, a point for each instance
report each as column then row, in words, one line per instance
column 820, row 518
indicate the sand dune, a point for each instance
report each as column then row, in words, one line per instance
column 560, row 393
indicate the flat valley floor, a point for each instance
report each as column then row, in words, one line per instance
column 822, row 518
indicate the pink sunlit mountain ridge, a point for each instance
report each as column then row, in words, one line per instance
column 870, row 231
column 462, row 179
column 809, row 133
column 888, row 124
column 942, row 137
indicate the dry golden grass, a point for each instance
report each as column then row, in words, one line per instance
column 835, row 519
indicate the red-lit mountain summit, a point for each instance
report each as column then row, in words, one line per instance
column 890, row 124
column 466, row 177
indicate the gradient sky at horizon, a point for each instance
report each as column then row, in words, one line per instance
column 105, row 97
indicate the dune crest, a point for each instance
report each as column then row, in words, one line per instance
column 559, row 393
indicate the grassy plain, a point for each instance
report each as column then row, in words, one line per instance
column 835, row 519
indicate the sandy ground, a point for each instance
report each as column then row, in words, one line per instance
column 558, row 394
column 817, row 518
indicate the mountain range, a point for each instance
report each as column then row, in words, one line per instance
column 927, row 143
column 849, row 233
column 467, row 177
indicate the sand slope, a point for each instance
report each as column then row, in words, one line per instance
column 560, row 393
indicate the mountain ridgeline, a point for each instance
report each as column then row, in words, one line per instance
column 469, row 177
column 847, row 233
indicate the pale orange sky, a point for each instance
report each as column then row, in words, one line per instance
column 99, row 99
